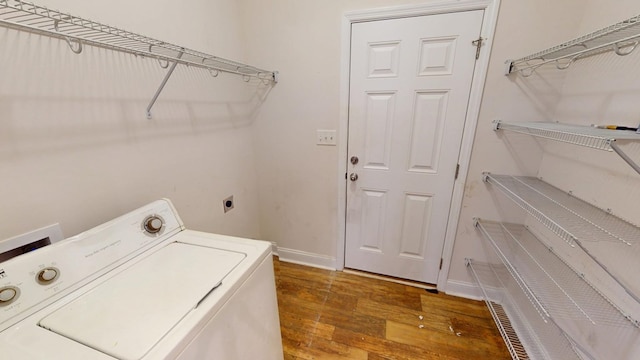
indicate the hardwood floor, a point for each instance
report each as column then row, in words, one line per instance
column 333, row 315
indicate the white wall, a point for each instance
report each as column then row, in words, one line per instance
column 298, row 179
column 601, row 89
column 76, row 148
column 608, row 94
column 523, row 28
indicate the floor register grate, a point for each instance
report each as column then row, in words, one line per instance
column 509, row 331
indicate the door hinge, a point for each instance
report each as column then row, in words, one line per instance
column 478, row 44
column 457, row 172
column 440, row 267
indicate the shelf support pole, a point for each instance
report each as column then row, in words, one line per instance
column 162, row 84
column 624, row 156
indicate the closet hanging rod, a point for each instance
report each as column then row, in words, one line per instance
column 27, row 16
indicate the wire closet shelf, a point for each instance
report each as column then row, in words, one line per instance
column 77, row 31
column 610, row 241
column 622, row 38
column 527, row 334
column 561, row 291
column 586, row 136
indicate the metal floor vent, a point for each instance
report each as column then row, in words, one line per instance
column 510, row 332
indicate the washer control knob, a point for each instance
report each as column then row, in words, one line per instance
column 8, row 294
column 47, row 275
column 153, row 224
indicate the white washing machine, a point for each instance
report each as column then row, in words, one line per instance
column 141, row 287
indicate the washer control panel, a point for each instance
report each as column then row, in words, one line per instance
column 29, row 280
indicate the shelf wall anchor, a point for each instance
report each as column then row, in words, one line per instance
column 162, row 84
column 618, row 49
column 78, row 48
column 163, row 63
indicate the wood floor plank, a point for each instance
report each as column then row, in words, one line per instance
column 312, row 277
column 303, row 347
column 445, row 323
column 320, row 298
column 379, row 290
column 309, row 327
column 455, row 345
column 384, row 311
column 386, row 348
column 334, row 315
column 452, row 304
column 439, row 316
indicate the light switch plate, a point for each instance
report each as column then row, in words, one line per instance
column 326, row 137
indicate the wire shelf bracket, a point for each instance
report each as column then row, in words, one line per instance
column 586, row 136
column 162, row 84
column 622, row 38
column 77, row 32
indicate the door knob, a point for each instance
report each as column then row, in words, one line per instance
column 353, row 177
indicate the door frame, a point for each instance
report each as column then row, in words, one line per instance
column 487, row 31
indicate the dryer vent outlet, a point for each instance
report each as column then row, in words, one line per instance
column 227, row 204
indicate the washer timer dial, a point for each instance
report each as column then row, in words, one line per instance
column 153, row 224
column 47, row 275
column 8, row 294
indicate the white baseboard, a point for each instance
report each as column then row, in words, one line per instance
column 472, row 291
column 463, row 289
column 306, row 258
column 274, row 248
column 455, row 288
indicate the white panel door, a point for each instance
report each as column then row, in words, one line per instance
column 409, row 89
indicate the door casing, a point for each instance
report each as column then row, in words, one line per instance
column 490, row 8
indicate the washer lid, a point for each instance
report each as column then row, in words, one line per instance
column 129, row 313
